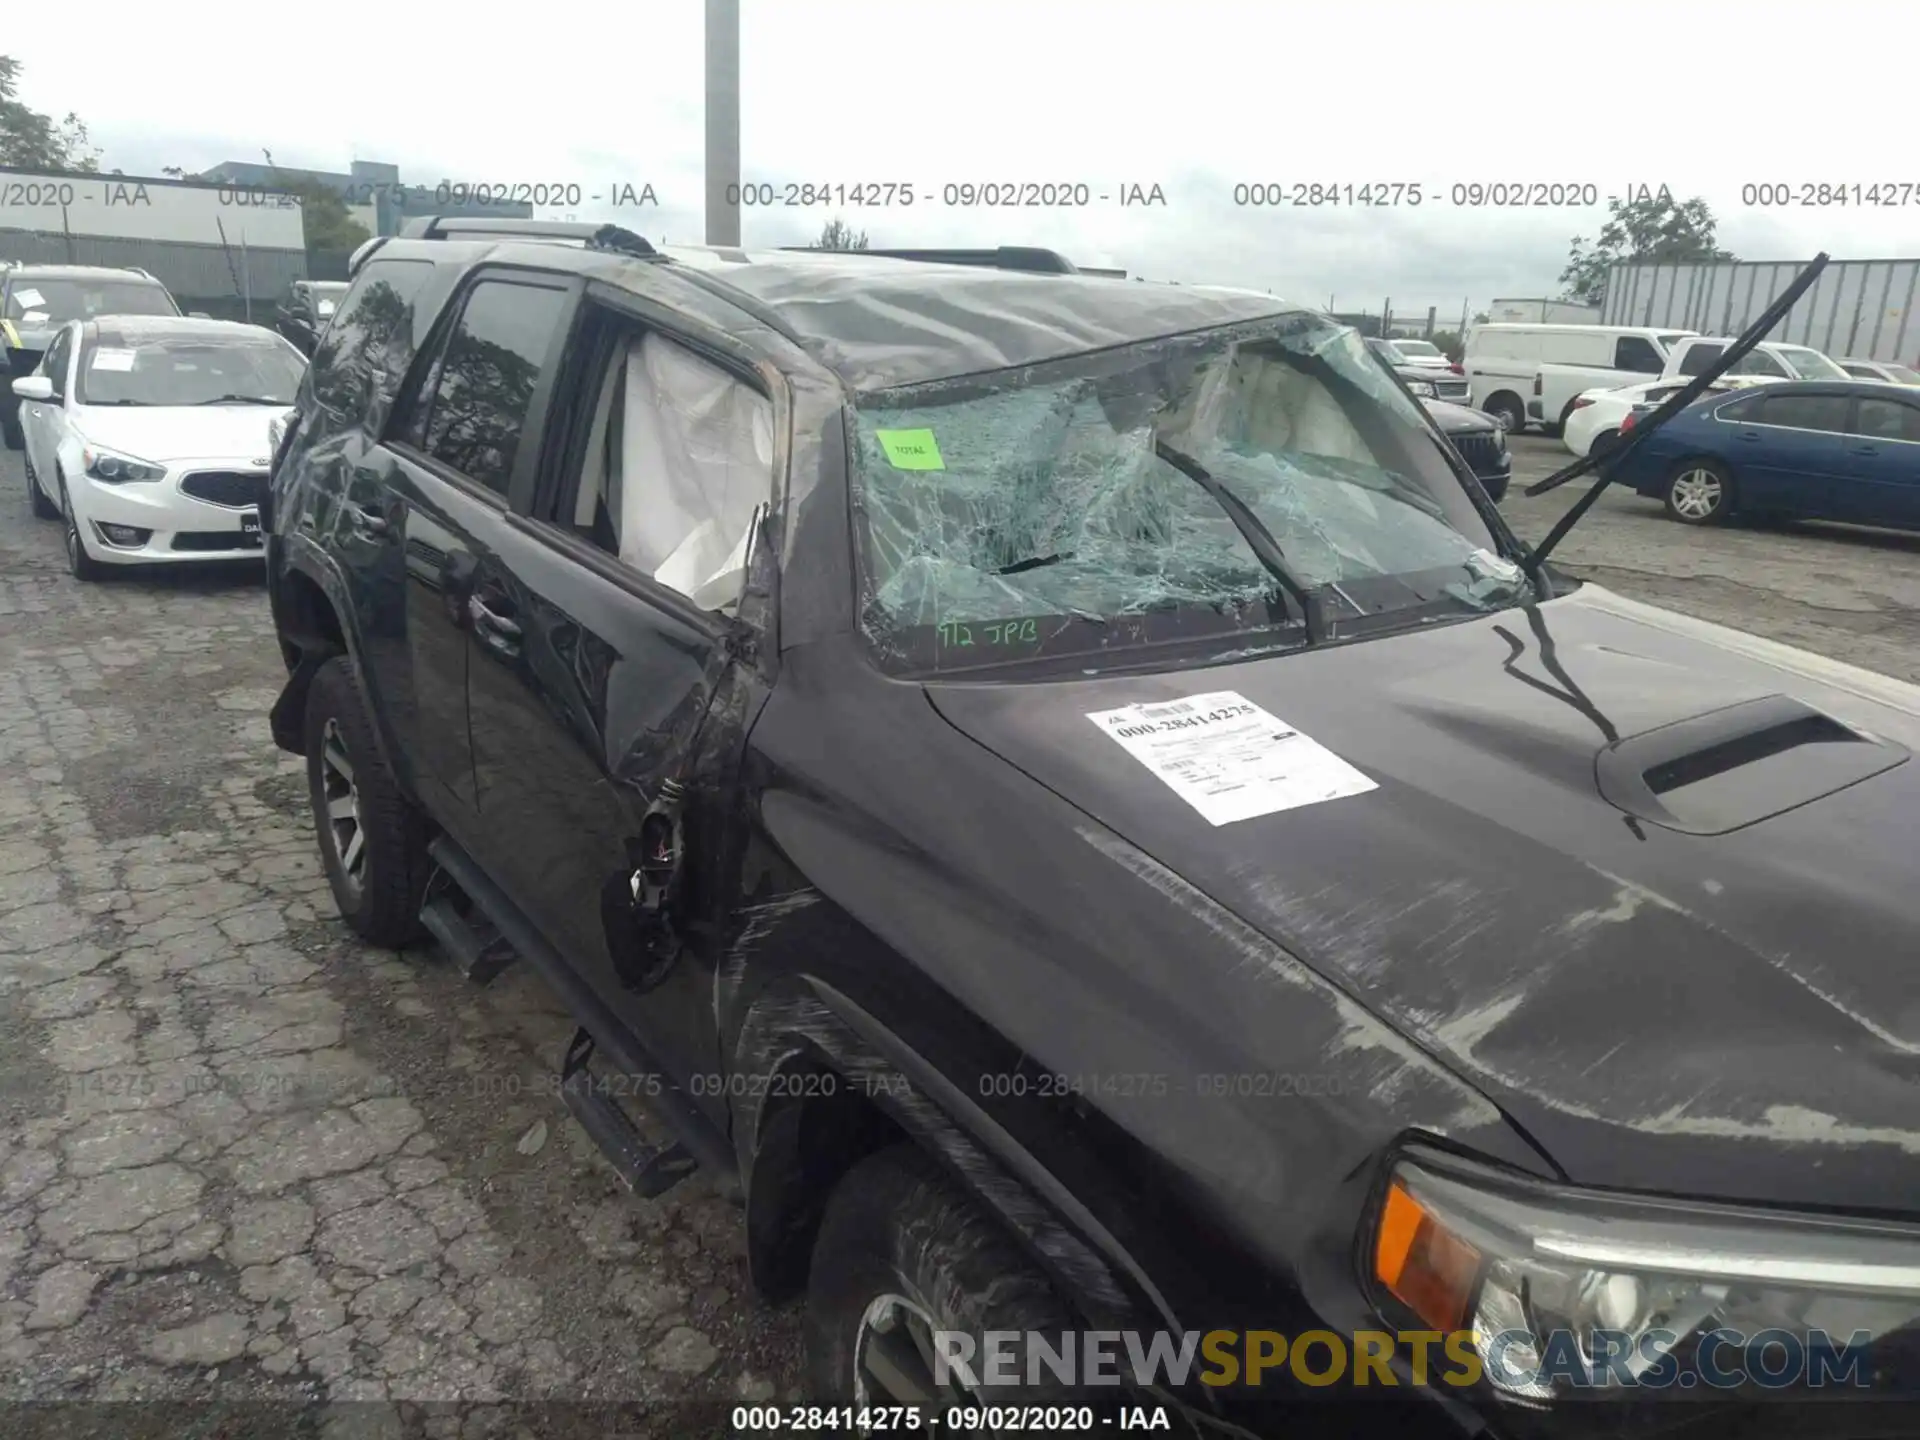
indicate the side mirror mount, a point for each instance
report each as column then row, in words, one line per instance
column 33, row 387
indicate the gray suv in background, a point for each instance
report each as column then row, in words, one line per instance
column 1428, row 373
column 37, row 302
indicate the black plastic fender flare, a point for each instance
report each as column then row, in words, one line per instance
column 819, row 1027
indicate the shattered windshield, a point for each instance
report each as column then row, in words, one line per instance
column 1036, row 509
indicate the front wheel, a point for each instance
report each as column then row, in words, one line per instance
column 80, row 564
column 43, row 508
column 903, row 1254
column 372, row 841
column 1700, row 492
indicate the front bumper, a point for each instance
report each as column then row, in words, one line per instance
column 1533, row 410
column 181, row 528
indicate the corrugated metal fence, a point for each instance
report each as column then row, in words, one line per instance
column 1857, row 308
column 220, row 281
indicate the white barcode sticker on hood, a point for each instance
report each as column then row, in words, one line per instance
column 1228, row 758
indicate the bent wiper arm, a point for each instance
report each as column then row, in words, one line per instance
column 1259, row 539
column 242, row 400
column 1672, row 406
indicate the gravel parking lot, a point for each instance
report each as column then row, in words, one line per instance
column 245, row 1158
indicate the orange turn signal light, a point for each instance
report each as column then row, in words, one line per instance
column 1428, row 1269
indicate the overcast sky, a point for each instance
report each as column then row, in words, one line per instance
column 1195, row 96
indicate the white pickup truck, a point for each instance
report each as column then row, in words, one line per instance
column 1557, row 388
column 1769, row 360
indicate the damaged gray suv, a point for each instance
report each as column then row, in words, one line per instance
column 1067, row 800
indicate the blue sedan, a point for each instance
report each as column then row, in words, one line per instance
column 1818, row 450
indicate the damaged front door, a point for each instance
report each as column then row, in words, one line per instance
column 606, row 704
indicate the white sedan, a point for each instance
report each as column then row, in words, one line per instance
column 1597, row 413
column 149, row 437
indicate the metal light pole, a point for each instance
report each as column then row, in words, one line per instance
column 723, row 122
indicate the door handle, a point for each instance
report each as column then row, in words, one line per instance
column 1864, row 449
column 491, row 622
column 1749, row 437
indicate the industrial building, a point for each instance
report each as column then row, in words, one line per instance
column 1862, row 309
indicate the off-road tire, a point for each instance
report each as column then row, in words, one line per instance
column 896, row 1224
column 383, row 905
column 43, row 508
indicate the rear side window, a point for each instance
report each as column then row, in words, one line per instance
column 1698, row 358
column 370, row 343
column 1636, row 353
column 1803, row 412
column 474, row 403
column 1760, row 362
column 1880, row 419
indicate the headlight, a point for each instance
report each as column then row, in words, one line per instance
column 119, row 469
column 1424, row 388
column 1560, row 1286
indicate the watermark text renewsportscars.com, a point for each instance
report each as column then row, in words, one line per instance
column 1719, row 1359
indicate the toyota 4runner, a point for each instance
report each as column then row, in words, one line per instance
column 1067, row 799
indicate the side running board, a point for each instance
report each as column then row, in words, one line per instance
column 647, row 1169
column 472, row 941
column 484, row 932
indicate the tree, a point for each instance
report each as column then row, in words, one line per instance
column 32, row 141
column 1642, row 228
column 838, row 235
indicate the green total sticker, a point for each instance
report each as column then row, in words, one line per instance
column 910, row 449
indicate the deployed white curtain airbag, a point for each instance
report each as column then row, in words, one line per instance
column 696, row 461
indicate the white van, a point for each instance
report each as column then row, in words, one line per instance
column 1502, row 361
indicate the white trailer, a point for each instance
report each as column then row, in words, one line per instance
column 1542, row 312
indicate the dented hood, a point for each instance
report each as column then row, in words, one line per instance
column 1651, row 885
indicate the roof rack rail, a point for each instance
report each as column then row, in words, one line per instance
column 361, row 255
column 593, row 237
column 1006, row 257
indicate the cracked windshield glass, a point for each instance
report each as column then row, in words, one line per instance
column 1039, row 509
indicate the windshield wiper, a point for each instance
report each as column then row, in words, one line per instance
column 1259, row 539
column 1670, row 407
column 243, row 400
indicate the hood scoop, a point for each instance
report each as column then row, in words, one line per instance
column 1735, row 767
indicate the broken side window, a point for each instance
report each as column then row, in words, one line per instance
column 679, row 457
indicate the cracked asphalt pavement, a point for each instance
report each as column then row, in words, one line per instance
column 246, row 1160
